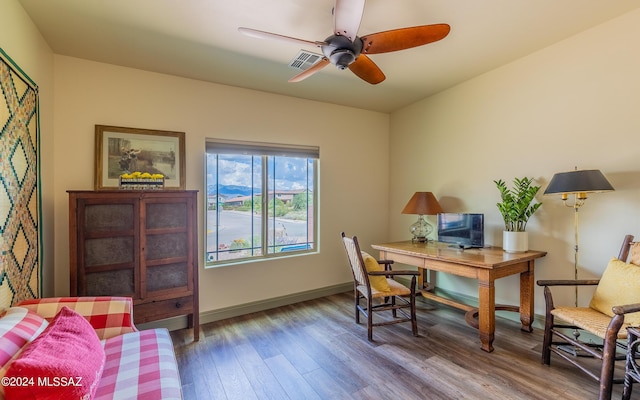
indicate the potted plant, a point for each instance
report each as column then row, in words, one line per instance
column 516, row 208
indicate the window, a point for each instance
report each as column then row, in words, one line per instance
column 261, row 200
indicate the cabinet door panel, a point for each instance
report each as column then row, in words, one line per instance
column 166, row 215
column 169, row 276
column 110, row 283
column 110, row 250
column 169, row 245
column 108, row 217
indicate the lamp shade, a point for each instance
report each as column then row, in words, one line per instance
column 423, row 203
column 584, row 181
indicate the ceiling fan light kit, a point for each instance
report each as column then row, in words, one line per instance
column 341, row 51
column 345, row 49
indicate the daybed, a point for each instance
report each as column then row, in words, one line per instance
column 83, row 348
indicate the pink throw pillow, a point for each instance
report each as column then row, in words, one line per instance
column 18, row 327
column 64, row 362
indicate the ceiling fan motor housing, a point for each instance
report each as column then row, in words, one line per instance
column 341, row 51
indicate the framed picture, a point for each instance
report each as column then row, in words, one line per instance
column 125, row 150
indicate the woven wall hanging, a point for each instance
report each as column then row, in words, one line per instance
column 20, row 250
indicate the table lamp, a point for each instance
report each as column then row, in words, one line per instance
column 422, row 203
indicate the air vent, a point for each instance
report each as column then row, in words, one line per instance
column 304, row 60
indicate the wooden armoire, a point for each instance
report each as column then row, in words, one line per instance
column 140, row 244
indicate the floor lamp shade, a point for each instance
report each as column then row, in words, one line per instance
column 584, row 181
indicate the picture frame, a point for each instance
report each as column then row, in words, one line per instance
column 120, row 150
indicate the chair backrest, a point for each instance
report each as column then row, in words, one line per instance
column 630, row 250
column 356, row 262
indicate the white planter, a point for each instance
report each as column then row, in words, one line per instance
column 515, row 242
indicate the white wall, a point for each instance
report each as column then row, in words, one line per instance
column 572, row 104
column 353, row 166
column 22, row 41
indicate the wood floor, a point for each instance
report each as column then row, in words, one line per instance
column 314, row 350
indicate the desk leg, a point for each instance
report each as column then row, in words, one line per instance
column 486, row 311
column 526, row 298
column 431, row 285
column 428, row 284
column 421, row 280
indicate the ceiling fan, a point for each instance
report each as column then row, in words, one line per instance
column 345, row 49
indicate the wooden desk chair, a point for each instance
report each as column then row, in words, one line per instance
column 374, row 282
column 617, row 296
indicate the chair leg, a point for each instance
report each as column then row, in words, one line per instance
column 608, row 361
column 370, row 320
column 414, row 322
column 357, row 302
column 609, row 356
column 393, row 303
column 628, row 388
column 630, row 374
column 546, row 342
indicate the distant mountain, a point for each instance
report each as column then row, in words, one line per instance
column 229, row 191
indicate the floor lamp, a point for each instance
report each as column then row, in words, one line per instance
column 578, row 184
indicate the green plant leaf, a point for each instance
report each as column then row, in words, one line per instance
column 516, row 206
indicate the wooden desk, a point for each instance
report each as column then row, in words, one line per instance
column 486, row 265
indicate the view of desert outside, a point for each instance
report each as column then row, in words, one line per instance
column 235, row 205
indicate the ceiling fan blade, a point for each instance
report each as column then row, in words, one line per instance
column 403, row 38
column 347, row 15
column 268, row 35
column 311, row 70
column 367, row 70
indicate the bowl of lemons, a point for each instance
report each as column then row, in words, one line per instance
column 141, row 181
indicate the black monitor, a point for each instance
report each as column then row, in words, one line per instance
column 465, row 230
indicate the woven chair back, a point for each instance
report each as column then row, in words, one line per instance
column 355, row 260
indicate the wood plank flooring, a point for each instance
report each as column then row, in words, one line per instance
column 315, row 350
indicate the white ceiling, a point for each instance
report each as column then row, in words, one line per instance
column 199, row 39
